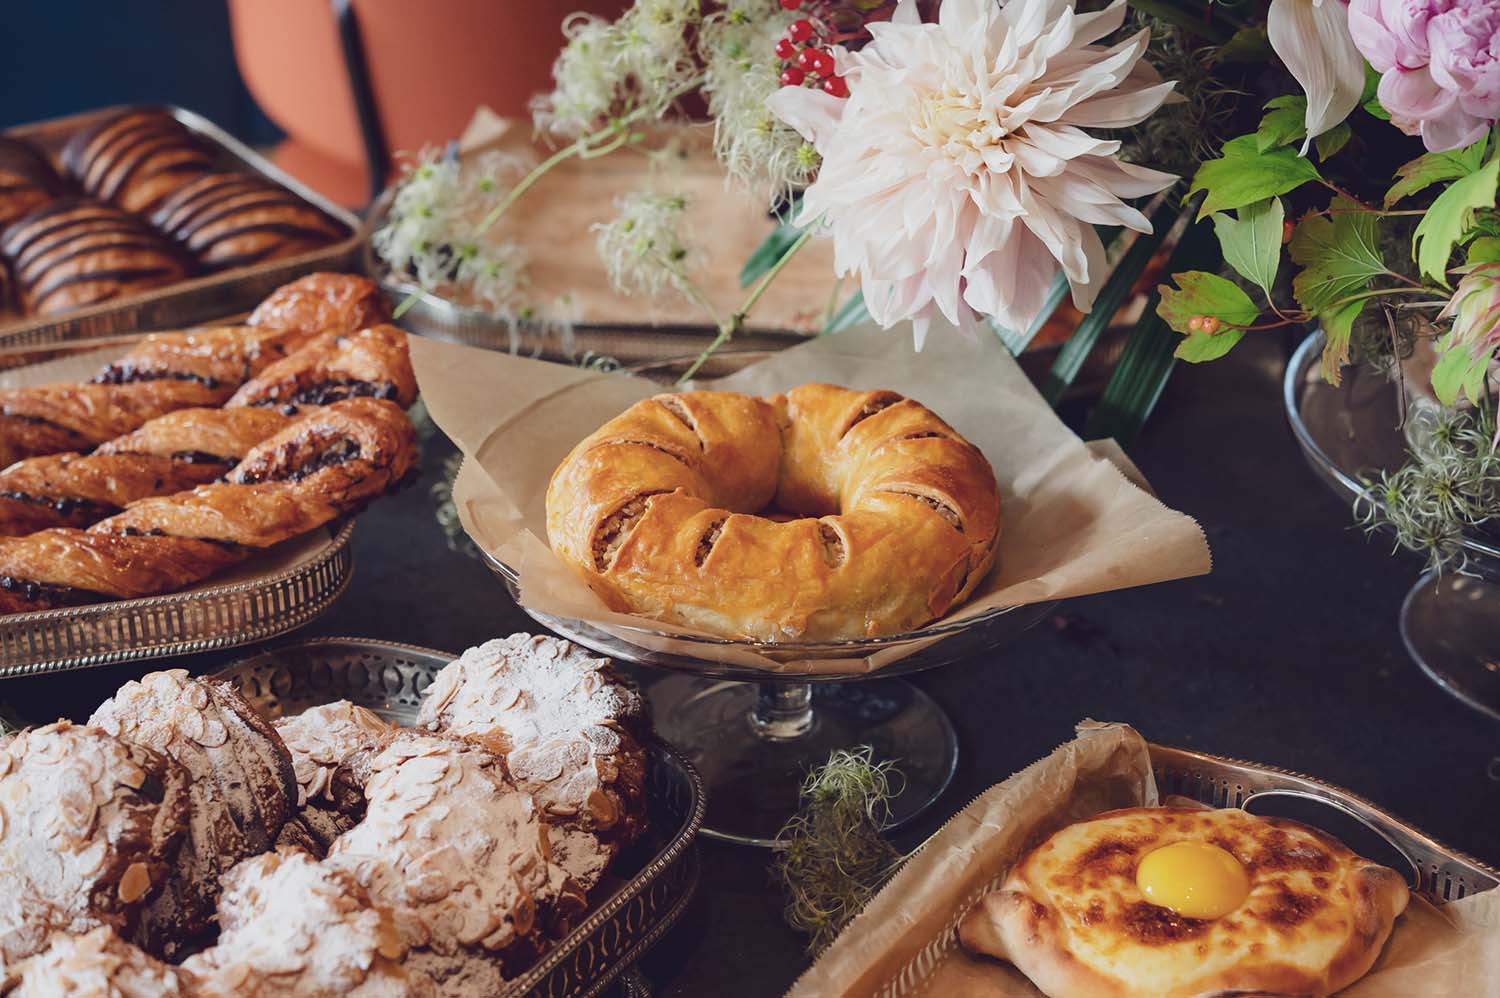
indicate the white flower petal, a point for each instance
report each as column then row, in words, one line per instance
column 1312, row 38
column 814, row 114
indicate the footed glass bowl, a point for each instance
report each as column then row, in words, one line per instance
column 1450, row 623
column 753, row 732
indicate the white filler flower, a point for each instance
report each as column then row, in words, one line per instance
column 957, row 175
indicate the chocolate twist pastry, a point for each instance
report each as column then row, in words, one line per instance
column 323, row 466
column 236, row 219
column 372, row 363
column 171, row 371
column 74, row 252
column 136, row 158
column 192, row 447
column 27, row 180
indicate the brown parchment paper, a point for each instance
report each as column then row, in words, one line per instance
column 905, row 943
column 263, row 565
column 1073, row 522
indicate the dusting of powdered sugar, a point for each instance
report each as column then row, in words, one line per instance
column 323, row 738
column 291, row 927
column 87, row 826
column 558, row 715
column 98, row 964
column 453, row 847
column 242, row 789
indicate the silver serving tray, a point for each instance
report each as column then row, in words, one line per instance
column 606, row 344
column 212, row 616
column 628, row 916
column 200, row 298
column 1438, row 873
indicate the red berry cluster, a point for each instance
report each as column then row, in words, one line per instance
column 803, row 56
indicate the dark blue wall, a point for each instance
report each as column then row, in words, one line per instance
column 62, row 56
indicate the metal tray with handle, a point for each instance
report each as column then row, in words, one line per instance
column 655, row 879
column 1435, row 871
column 198, row 299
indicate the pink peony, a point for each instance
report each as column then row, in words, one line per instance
column 1439, row 62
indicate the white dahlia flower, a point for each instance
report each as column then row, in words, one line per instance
column 957, row 176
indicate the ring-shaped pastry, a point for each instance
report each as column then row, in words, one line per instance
column 879, row 517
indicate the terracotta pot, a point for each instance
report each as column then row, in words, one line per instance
column 431, row 64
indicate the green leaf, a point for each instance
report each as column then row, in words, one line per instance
column 1251, row 44
column 1252, row 242
column 1485, row 249
column 770, row 250
column 1244, row 174
column 1115, row 292
column 1338, row 327
column 1339, row 255
column 851, row 313
column 1331, row 141
column 1283, row 124
column 1435, row 167
column 1450, row 216
column 1201, row 293
column 1377, row 109
column 1201, row 347
column 1458, row 371
column 1149, row 354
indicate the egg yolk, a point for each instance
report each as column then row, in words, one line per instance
column 1194, row 879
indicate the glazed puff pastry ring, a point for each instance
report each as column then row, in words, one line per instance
column 894, row 516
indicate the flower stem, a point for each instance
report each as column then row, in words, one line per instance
column 732, row 325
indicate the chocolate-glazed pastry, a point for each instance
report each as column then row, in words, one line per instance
column 74, row 252
column 99, row 964
column 323, row 740
column 91, row 825
column 237, row 219
column 27, row 180
column 136, row 159
column 291, row 927
column 243, row 788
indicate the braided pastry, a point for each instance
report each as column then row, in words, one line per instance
column 136, row 158
column 243, row 788
column 372, row 363
column 74, row 252
column 324, row 302
column 898, row 514
column 191, row 447
column 324, row 465
column 98, row 964
column 90, row 827
column 197, row 367
column 27, row 180
column 236, row 219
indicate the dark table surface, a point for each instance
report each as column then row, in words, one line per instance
column 1287, row 654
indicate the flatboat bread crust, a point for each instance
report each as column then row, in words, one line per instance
column 1070, row 916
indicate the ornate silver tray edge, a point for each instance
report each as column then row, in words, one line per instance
column 221, row 616
column 1443, row 873
column 570, row 969
column 200, row 298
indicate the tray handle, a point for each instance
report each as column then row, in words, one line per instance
column 1394, row 837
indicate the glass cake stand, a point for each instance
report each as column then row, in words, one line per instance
column 1450, row 623
column 754, row 733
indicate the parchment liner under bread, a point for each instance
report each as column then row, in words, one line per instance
column 89, row 826
column 292, row 927
column 243, row 788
